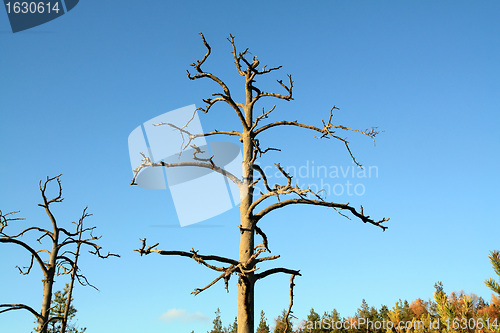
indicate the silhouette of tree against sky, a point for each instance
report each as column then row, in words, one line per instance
column 62, row 249
column 254, row 207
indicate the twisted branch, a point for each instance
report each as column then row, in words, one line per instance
column 327, row 131
column 291, row 302
column 147, row 163
column 226, row 97
column 10, row 307
column 360, row 215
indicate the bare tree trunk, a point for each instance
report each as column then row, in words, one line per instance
column 48, row 282
column 246, row 304
column 246, row 281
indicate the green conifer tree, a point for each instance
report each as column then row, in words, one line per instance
column 313, row 322
column 335, row 321
column 263, row 327
column 407, row 314
column 367, row 316
column 446, row 311
column 383, row 312
column 217, row 323
column 495, row 262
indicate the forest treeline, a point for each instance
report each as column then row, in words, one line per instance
column 448, row 313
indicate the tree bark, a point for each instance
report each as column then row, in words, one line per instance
column 48, row 282
column 246, row 281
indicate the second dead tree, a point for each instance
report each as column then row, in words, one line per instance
column 62, row 260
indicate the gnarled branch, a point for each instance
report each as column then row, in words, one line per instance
column 360, row 215
column 288, row 88
column 226, row 97
column 147, row 163
column 4, row 219
column 262, row 275
column 193, row 254
column 29, row 249
column 327, row 131
column 10, row 307
column 291, row 302
column 191, row 136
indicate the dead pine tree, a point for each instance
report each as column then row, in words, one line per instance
column 59, row 257
column 253, row 206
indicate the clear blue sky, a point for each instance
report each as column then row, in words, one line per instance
column 426, row 72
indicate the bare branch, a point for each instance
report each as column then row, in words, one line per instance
column 302, row 193
column 265, row 71
column 250, row 263
column 201, row 73
column 43, row 188
column 191, row 136
column 276, row 270
column 147, row 163
column 223, row 97
column 4, row 219
column 47, row 202
column 237, row 57
column 97, row 251
column 263, row 175
column 326, row 132
column 251, row 70
column 28, row 268
column 287, row 97
column 226, row 275
column 193, row 254
column 361, row 216
column 291, row 302
column 258, row 152
column 197, row 151
column 267, row 258
column 264, row 237
column 264, row 114
column 82, row 280
column 28, row 248
column 235, row 266
column 10, row 307
column 46, row 233
column 279, row 190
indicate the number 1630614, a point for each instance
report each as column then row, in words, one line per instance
column 32, row 7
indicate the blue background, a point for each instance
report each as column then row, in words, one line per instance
column 425, row 72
